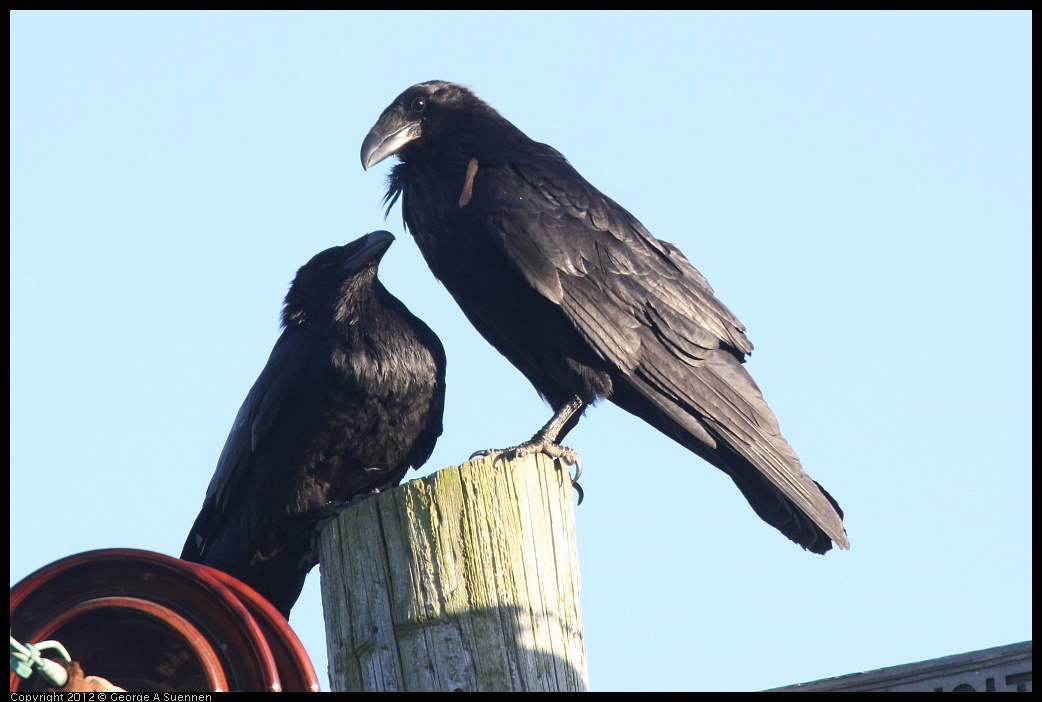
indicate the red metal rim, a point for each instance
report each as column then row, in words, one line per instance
column 250, row 640
column 115, row 609
column 294, row 665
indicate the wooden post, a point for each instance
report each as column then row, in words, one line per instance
column 467, row 580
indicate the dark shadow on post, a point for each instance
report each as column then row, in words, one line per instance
column 465, row 580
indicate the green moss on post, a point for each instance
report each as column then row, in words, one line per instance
column 465, row 580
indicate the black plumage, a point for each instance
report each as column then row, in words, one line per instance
column 583, row 300
column 350, row 398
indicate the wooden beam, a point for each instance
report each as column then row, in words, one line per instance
column 464, row 580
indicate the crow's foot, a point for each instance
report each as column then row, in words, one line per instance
column 320, row 518
column 559, row 453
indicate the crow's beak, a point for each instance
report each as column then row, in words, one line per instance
column 387, row 137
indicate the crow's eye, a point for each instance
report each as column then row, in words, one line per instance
column 418, row 104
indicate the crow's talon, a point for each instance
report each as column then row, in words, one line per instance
column 496, row 455
column 575, row 481
column 578, row 469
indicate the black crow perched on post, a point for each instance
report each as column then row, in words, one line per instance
column 584, row 301
column 350, row 399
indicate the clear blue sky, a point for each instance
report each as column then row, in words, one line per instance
column 855, row 186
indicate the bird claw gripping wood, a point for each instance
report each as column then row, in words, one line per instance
column 322, row 517
column 560, row 454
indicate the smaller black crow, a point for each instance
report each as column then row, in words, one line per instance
column 350, row 399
